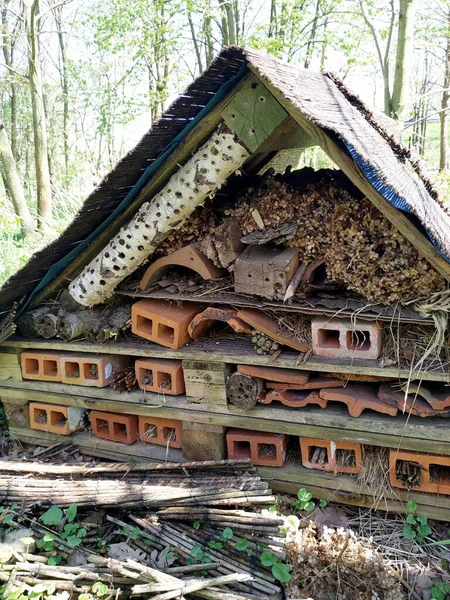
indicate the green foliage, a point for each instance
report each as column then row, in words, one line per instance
column 241, row 544
column 132, row 533
column 440, row 591
column 281, row 572
column 53, row 516
column 21, row 591
column 415, row 527
column 227, row 534
column 47, row 542
column 304, row 500
column 268, row 559
column 215, row 545
column 196, row 524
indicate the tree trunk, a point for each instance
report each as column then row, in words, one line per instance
column 443, row 156
column 65, row 91
column 405, row 40
column 194, row 38
column 44, row 192
column 14, row 184
column 312, row 37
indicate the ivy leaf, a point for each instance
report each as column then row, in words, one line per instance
column 196, row 550
column 411, row 519
column 100, row 589
column 241, row 544
column 412, row 506
column 268, row 559
column 53, row 516
column 323, row 503
column 73, row 541
column 227, row 533
column 54, row 560
column 422, row 520
column 215, row 545
column 423, row 530
column 71, row 512
column 281, row 572
column 303, row 495
column 408, row 532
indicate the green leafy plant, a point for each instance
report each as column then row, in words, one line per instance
column 46, row 543
column 53, row 516
column 323, row 503
column 73, row 533
column 196, row 524
column 227, row 534
column 440, row 591
column 215, row 545
column 415, row 527
column 280, row 571
column 132, row 533
column 197, row 556
column 304, row 500
column 241, row 544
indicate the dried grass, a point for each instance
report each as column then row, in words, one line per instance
column 375, row 473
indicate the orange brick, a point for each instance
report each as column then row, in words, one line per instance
column 91, row 370
column 343, row 338
column 160, row 375
column 54, row 418
column 114, row 427
column 165, row 323
column 434, row 471
column 358, row 397
column 295, row 399
column 41, row 366
column 265, row 449
column 334, row 460
column 153, row 430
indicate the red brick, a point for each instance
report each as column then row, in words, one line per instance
column 54, row 418
column 91, row 370
column 242, row 443
column 191, row 257
column 263, row 323
column 41, row 366
column 315, row 383
column 332, row 463
column 412, row 404
column 211, row 315
column 165, row 323
column 163, row 375
column 434, row 471
column 154, row 430
column 114, row 426
column 358, row 397
column 295, row 399
column 343, row 338
column 275, row 374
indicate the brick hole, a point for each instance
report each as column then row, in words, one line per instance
column 242, row 449
column 345, row 458
column 50, row 368
column 90, row 371
column 57, row 418
column 440, row 474
column 40, row 416
column 103, row 425
column 358, row 340
column 145, row 325
column 164, row 381
column 72, row 369
column 148, row 376
column 267, row 451
column 32, row 366
column 408, row 472
column 150, row 432
column 170, row 434
column 317, row 455
column 328, row 338
column 166, row 333
column 120, row 430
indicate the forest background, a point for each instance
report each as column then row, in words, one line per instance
column 82, row 80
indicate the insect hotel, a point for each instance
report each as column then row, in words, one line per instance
column 211, row 300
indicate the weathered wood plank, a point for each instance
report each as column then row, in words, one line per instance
column 205, row 382
column 10, row 367
column 227, row 351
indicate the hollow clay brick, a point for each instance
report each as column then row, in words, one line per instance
column 242, row 443
column 275, row 374
column 114, row 426
column 358, row 397
column 263, row 323
column 314, row 383
column 158, row 431
column 161, row 375
column 343, row 338
column 434, row 471
column 293, row 398
column 92, row 370
column 54, row 418
column 41, row 366
column 191, row 257
column 411, row 404
column 265, row 270
column 206, row 319
column 308, row 449
column 165, row 323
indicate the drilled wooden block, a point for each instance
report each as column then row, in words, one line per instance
column 265, row 271
column 200, row 441
column 18, row 416
column 205, row 382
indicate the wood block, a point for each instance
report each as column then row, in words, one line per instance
column 18, row 416
column 10, row 367
column 265, row 271
column 244, row 391
column 206, row 382
column 203, row 442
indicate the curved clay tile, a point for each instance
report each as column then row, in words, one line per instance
column 206, row 319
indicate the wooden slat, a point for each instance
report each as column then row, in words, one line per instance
column 10, row 367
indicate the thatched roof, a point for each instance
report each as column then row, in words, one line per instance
column 320, row 99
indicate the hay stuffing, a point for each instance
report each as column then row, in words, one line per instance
column 375, row 473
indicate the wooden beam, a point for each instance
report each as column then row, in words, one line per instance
column 10, row 367
column 349, row 167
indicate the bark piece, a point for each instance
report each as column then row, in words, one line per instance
column 244, row 391
column 262, row 322
column 190, row 257
column 275, row 235
column 224, row 245
column 206, row 319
